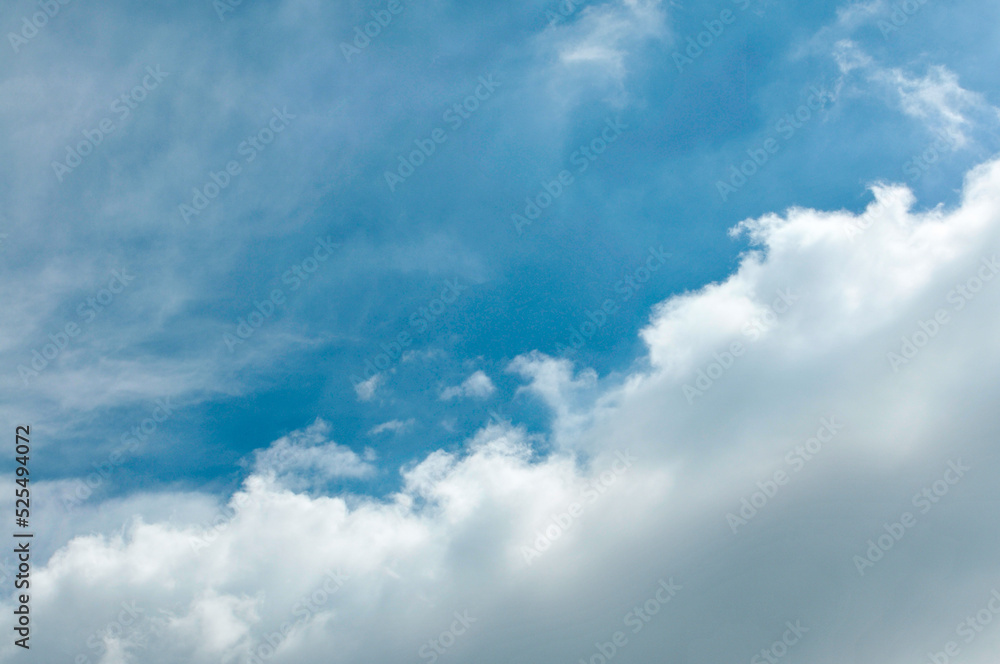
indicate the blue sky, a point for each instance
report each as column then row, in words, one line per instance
column 305, row 226
column 655, row 186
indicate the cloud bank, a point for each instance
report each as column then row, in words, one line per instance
column 821, row 493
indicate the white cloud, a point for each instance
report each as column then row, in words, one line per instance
column 366, row 389
column 849, row 57
column 857, row 13
column 592, row 46
column 601, row 32
column 477, row 386
column 308, row 458
column 936, row 98
column 453, row 538
column 395, row 426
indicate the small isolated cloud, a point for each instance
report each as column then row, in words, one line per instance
column 395, row 426
column 478, row 386
column 308, row 457
column 423, row 355
column 366, row 389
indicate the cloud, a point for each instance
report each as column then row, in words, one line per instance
column 477, row 386
column 395, row 426
column 423, row 355
column 856, row 13
column 548, row 539
column 936, row 98
column 308, row 458
column 547, row 557
column 598, row 37
column 366, row 389
column 165, row 335
column 593, row 48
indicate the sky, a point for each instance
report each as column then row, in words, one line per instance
column 544, row 331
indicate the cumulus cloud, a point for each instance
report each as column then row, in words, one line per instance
column 478, row 386
column 308, row 458
column 696, row 527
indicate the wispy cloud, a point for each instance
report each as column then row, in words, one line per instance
column 393, row 426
